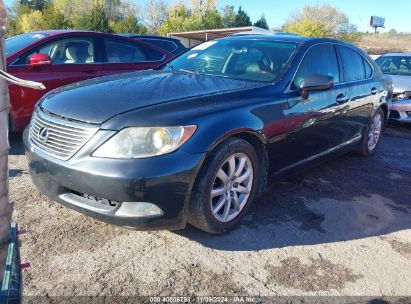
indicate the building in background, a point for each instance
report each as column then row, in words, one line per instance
column 193, row 38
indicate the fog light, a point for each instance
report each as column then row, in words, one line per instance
column 138, row 209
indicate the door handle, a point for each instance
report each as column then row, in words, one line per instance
column 341, row 99
column 374, row 91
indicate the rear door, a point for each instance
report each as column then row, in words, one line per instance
column 361, row 88
column 74, row 58
column 122, row 56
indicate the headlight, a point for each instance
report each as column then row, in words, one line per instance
column 142, row 142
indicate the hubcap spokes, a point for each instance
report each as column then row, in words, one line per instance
column 232, row 187
column 375, row 132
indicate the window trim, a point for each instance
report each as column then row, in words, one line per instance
column 340, row 67
column 363, row 58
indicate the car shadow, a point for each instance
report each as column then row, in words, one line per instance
column 348, row 198
column 16, row 144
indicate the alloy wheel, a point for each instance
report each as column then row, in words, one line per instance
column 375, row 131
column 232, row 187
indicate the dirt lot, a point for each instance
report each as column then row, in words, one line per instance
column 340, row 229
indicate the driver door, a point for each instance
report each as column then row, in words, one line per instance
column 316, row 122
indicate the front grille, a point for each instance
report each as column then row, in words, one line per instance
column 57, row 137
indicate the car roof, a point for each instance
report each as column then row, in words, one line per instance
column 147, row 36
column 407, row 54
column 58, row 32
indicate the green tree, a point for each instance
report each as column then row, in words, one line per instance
column 242, row 18
column 212, row 20
column 321, row 21
column 53, row 18
column 96, row 20
column 182, row 18
column 228, row 16
column 35, row 4
column 31, row 22
column 262, row 23
column 128, row 24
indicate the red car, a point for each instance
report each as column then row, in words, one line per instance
column 57, row 58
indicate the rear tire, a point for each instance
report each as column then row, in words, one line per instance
column 225, row 187
column 372, row 134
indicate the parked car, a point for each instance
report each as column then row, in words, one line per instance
column 57, row 58
column 171, row 45
column 398, row 67
column 194, row 140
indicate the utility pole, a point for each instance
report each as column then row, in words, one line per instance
column 5, row 206
column 6, row 209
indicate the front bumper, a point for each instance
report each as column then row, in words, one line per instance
column 99, row 187
column 401, row 111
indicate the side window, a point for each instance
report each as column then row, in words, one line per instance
column 162, row 44
column 320, row 60
column 123, row 52
column 353, row 64
column 79, row 50
column 368, row 69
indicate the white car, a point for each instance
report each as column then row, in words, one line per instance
column 398, row 67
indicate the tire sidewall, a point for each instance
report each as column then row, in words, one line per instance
column 365, row 143
column 223, row 152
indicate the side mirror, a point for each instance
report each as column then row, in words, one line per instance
column 315, row 83
column 38, row 60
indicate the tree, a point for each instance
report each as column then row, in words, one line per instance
column 262, row 23
column 128, row 24
column 156, row 13
column 5, row 207
column 53, row 18
column 179, row 19
column 242, row 18
column 201, row 15
column 35, row 4
column 31, row 22
column 321, row 21
column 212, row 20
column 228, row 15
column 97, row 20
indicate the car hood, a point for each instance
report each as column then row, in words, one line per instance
column 401, row 83
column 99, row 99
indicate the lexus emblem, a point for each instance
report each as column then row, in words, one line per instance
column 43, row 135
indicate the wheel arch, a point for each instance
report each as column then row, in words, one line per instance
column 258, row 142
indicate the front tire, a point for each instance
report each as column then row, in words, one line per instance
column 225, row 187
column 373, row 133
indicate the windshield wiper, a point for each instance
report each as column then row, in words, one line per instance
column 169, row 65
column 188, row 71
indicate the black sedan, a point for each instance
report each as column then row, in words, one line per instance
column 195, row 140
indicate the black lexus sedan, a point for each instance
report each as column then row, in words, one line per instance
column 195, row 140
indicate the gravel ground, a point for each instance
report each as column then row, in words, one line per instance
column 343, row 228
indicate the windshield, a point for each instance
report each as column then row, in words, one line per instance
column 251, row 60
column 395, row 65
column 17, row 43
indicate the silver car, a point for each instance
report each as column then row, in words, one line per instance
column 398, row 67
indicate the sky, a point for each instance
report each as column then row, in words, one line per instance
column 396, row 12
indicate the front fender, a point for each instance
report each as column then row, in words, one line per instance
column 214, row 129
